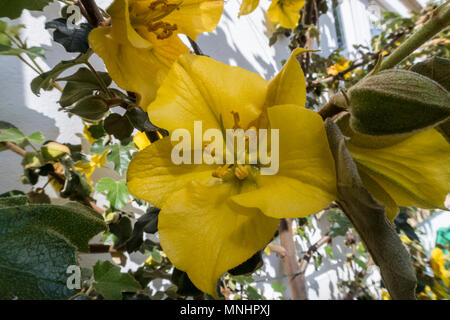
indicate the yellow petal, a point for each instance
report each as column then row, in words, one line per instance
column 141, row 140
column 200, row 88
column 196, row 16
column 203, row 236
column 86, row 168
column 306, row 180
column 122, row 30
column 285, row 12
column 288, row 86
column 414, row 172
column 139, row 70
column 391, row 208
column 99, row 160
column 88, row 135
column 152, row 176
column 247, row 7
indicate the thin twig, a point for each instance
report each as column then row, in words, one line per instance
column 440, row 19
column 195, row 47
column 94, row 15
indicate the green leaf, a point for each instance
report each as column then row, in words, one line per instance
column 81, row 84
column 45, row 80
column 7, row 50
column 278, row 287
column 91, row 108
column 120, row 156
column 122, row 231
column 146, row 223
column 369, row 219
column 13, row 8
column 13, row 201
column 156, row 256
column 339, row 224
column 118, row 126
column 74, row 39
column 116, row 191
column 36, row 137
column 13, row 135
column 184, row 284
column 329, row 252
column 110, row 282
column 37, row 245
column 360, row 263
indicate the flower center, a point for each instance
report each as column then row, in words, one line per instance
column 230, row 170
column 151, row 15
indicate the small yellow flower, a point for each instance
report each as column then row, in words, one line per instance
column 284, row 12
column 213, row 217
column 385, row 295
column 339, row 67
column 87, row 168
column 88, row 135
column 437, row 261
column 142, row 43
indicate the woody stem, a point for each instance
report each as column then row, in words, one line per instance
column 440, row 19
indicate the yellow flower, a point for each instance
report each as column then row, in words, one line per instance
column 437, row 261
column 427, row 294
column 142, row 43
column 284, row 12
column 411, row 171
column 87, row 168
column 385, row 295
column 88, row 135
column 213, row 217
column 339, row 67
column 141, row 140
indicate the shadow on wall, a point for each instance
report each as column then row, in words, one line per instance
column 222, row 45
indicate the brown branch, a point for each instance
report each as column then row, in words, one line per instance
column 94, row 15
column 15, row 148
column 311, row 250
column 296, row 280
column 279, row 250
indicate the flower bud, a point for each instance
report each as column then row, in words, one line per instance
column 396, row 102
column 436, row 68
column 54, row 150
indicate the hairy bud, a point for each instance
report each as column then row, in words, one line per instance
column 436, row 68
column 397, row 102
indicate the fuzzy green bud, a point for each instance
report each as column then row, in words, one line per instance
column 397, row 102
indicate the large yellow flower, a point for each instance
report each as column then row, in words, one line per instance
column 215, row 217
column 409, row 171
column 284, row 12
column 142, row 43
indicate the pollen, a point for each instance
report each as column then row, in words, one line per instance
column 163, row 30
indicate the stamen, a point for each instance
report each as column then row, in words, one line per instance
column 237, row 120
column 163, row 30
column 222, row 172
column 241, row 172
